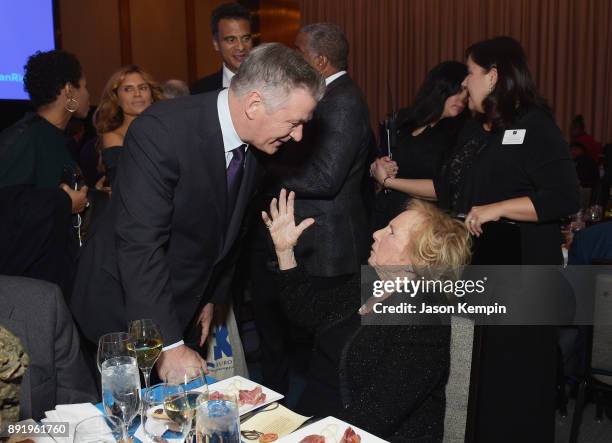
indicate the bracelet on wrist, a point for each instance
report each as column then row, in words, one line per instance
column 384, row 183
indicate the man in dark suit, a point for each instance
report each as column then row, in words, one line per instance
column 35, row 312
column 230, row 25
column 326, row 172
column 164, row 250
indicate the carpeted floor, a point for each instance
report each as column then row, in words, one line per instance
column 590, row 431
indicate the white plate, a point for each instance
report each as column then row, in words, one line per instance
column 237, row 383
column 332, row 429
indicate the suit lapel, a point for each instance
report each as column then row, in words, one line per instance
column 211, row 138
column 246, row 186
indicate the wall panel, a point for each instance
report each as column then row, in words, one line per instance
column 158, row 32
column 90, row 30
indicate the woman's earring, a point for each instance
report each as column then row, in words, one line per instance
column 72, row 105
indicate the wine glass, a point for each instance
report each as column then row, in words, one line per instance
column 100, row 429
column 595, row 213
column 114, row 344
column 166, row 408
column 147, row 343
column 193, row 381
column 121, row 389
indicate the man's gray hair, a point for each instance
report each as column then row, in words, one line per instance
column 175, row 88
column 275, row 71
column 327, row 39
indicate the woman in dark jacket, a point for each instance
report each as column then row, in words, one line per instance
column 388, row 380
column 38, row 177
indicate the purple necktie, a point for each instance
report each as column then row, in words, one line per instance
column 235, row 171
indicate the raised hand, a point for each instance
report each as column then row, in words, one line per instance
column 281, row 222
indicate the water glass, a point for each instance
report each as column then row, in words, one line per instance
column 121, row 389
column 114, row 344
column 218, row 418
column 99, row 429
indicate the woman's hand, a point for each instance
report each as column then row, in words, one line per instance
column 78, row 198
column 100, row 186
column 382, row 168
column 479, row 215
column 281, row 222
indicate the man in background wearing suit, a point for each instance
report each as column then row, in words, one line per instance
column 187, row 172
column 230, row 25
column 326, row 171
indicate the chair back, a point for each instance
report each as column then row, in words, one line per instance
column 458, row 386
column 601, row 351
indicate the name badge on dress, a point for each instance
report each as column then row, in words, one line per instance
column 514, row 136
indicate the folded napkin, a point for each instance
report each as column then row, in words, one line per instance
column 73, row 414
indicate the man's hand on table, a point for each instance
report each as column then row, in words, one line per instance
column 179, row 358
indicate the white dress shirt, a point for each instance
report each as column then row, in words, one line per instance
column 333, row 77
column 227, row 76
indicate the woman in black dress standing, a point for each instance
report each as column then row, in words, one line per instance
column 523, row 173
column 426, row 132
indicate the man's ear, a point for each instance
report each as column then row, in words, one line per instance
column 215, row 44
column 254, row 105
column 321, row 62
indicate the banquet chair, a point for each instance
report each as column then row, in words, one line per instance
column 458, row 385
column 598, row 377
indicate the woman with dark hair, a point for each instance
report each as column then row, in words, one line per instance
column 426, row 132
column 37, row 154
column 128, row 92
column 34, row 164
column 523, row 171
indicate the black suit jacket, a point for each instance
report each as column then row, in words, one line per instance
column 36, row 313
column 326, row 170
column 212, row 82
column 164, row 247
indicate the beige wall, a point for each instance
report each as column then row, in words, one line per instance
column 208, row 60
column 279, row 21
column 90, row 29
column 158, row 32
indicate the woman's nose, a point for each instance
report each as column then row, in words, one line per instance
column 375, row 235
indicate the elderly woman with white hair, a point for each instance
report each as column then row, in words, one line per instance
column 388, row 380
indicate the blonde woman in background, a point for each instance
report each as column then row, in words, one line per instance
column 128, row 92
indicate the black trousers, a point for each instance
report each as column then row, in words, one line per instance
column 516, row 384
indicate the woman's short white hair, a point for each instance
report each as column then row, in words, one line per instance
column 274, row 71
